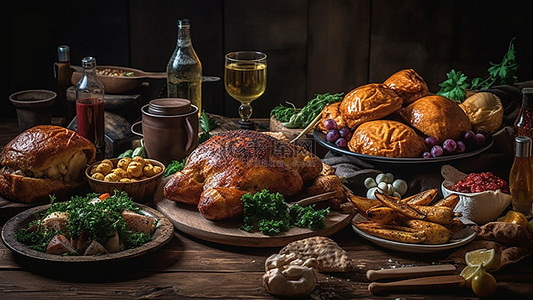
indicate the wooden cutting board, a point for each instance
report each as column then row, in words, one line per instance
column 187, row 219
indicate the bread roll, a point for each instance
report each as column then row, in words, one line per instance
column 369, row 102
column 386, row 138
column 44, row 160
column 485, row 111
column 437, row 116
column 408, row 85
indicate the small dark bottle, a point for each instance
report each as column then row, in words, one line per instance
column 523, row 125
column 63, row 74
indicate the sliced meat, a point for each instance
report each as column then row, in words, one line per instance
column 56, row 221
column 59, row 244
column 95, row 248
column 138, row 222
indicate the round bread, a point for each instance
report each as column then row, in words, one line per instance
column 44, row 160
column 386, row 138
column 369, row 102
column 331, row 111
column 408, row 85
column 437, row 116
column 485, row 111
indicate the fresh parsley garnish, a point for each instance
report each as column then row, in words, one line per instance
column 499, row 74
column 270, row 214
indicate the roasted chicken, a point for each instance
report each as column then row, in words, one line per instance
column 230, row 164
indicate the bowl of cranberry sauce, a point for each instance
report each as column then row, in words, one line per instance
column 482, row 196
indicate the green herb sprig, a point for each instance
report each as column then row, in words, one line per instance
column 291, row 117
column 499, row 74
column 270, row 214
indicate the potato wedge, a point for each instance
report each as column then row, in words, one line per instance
column 435, row 233
column 381, row 214
column 437, row 214
column 363, row 204
column 402, row 208
column 422, row 198
column 397, row 233
column 449, row 201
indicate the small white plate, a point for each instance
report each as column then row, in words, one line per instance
column 461, row 237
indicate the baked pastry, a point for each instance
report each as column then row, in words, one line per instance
column 44, row 160
column 408, row 85
column 331, row 111
column 233, row 163
column 369, row 102
column 485, row 111
column 386, row 138
column 437, row 116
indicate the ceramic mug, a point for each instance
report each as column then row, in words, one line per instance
column 169, row 128
column 34, row 107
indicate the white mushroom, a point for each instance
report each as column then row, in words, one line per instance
column 293, row 281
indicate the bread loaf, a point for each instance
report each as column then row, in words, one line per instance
column 386, row 138
column 369, row 102
column 44, row 160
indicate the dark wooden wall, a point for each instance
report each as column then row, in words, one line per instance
column 313, row 46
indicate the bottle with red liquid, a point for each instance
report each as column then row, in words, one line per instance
column 523, row 125
column 90, row 106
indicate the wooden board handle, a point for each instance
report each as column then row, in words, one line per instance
column 410, row 272
column 432, row 282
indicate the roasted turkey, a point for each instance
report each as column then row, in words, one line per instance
column 230, row 164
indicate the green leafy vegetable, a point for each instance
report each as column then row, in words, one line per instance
column 308, row 217
column 98, row 220
column 499, row 74
column 295, row 118
column 173, row 167
column 284, row 113
column 207, row 124
column 270, row 214
column 454, row 87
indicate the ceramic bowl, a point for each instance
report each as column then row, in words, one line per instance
column 140, row 191
column 480, row 208
column 119, row 84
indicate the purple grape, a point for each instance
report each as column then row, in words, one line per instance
column 461, row 147
column 431, row 141
column 468, row 137
column 449, row 145
column 437, row 151
column 345, row 132
column 332, row 135
column 479, row 139
column 341, row 143
column 426, row 155
column 330, row 124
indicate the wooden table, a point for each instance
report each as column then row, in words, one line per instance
column 191, row 268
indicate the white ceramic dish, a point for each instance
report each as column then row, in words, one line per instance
column 460, row 238
column 480, row 208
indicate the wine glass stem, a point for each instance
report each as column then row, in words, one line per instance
column 245, row 111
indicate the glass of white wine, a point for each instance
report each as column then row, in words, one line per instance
column 245, row 76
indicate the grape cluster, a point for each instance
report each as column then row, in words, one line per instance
column 469, row 141
column 336, row 135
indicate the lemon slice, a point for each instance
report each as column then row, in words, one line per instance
column 468, row 273
column 480, row 256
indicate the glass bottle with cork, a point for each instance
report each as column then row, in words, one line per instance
column 523, row 125
column 90, row 106
column 184, row 69
column 521, row 177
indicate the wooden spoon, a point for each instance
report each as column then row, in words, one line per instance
column 416, row 284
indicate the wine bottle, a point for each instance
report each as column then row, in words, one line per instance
column 184, row 69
